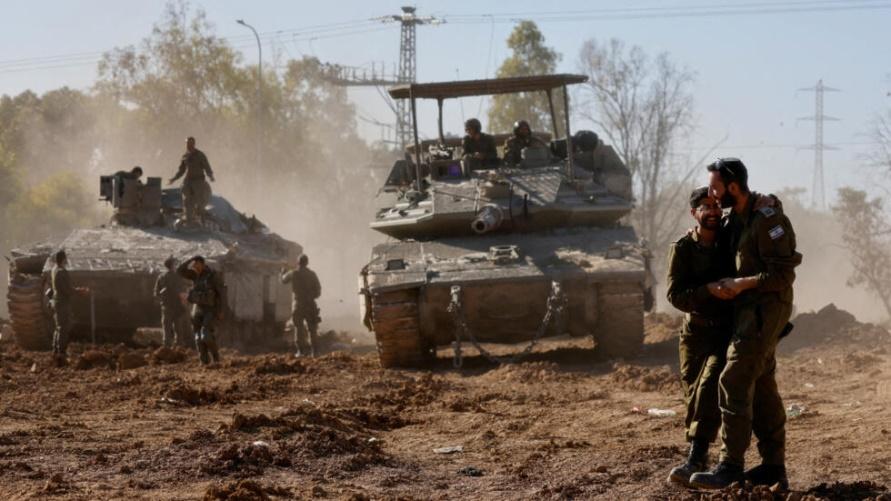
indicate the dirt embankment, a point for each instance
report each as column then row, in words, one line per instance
column 122, row 423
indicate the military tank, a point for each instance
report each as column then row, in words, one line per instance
column 121, row 260
column 504, row 254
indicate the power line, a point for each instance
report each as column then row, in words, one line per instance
column 757, row 8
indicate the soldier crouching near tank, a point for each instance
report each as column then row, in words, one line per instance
column 168, row 288
column 206, row 297
column 62, row 293
column 696, row 262
column 305, row 289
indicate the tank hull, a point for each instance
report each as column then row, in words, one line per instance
column 602, row 272
column 120, row 264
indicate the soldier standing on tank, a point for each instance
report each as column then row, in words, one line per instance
column 763, row 244
column 522, row 138
column 62, row 294
column 696, row 262
column 206, row 296
column 477, row 146
column 195, row 190
column 168, row 288
column 305, row 288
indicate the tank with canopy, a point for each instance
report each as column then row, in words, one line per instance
column 505, row 253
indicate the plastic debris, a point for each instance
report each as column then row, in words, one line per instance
column 809, row 385
column 449, row 450
column 661, row 412
column 795, row 410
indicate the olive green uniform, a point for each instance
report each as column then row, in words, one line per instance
column 305, row 289
column 763, row 243
column 513, row 148
column 61, row 302
column 706, row 333
column 206, row 295
column 196, row 192
column 485, row 146
column 168, row 288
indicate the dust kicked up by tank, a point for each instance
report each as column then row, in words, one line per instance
column 447, row 251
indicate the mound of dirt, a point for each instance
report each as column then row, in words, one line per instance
column 531, row 373
column 245, row 490
column 635, row 377
column 131, row 360
column 183, row 393
column 659, row 327
column 94, row 359
column 831, row 325
column 165, row 355
column 279, row 366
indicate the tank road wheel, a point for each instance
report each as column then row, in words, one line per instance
column 27, row 313
column 394, row 316
column 620, row 328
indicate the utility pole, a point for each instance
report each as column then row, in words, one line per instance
column 259, row 94
column 818, row 193
column 408, row 63
column 378, row 76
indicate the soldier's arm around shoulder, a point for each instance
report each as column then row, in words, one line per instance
column 184, row 271
column 682, row 293
column 776, row 249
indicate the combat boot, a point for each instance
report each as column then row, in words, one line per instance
column 768, row 474
column 697, row 461
column 719, row 477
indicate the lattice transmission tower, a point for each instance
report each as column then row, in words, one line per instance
column 408, row 64
column 818, row 193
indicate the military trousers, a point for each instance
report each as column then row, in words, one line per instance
column 196, row 195
column 204, row 326
column 306, row 321
column 748, row 396
column 702, row 350
column 174, row 325
column 62, row 319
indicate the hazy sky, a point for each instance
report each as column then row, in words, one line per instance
column 748, row 67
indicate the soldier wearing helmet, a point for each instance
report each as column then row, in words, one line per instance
column 479, row 148
column 522, row 138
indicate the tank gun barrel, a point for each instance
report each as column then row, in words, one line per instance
column 489, row 218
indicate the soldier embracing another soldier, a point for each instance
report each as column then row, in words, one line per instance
column 735, row 284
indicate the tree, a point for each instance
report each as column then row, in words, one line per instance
column 643, row 107
column 530, row 56
column 867, row 236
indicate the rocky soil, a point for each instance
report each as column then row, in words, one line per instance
column 123, row 423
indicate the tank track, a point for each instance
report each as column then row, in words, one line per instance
column 27, row 313
column 394, row 317
column 620, row 328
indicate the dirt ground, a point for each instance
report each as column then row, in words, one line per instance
column 561, row 425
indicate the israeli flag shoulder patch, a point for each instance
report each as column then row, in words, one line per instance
column 767, row 211
column 776, row 232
